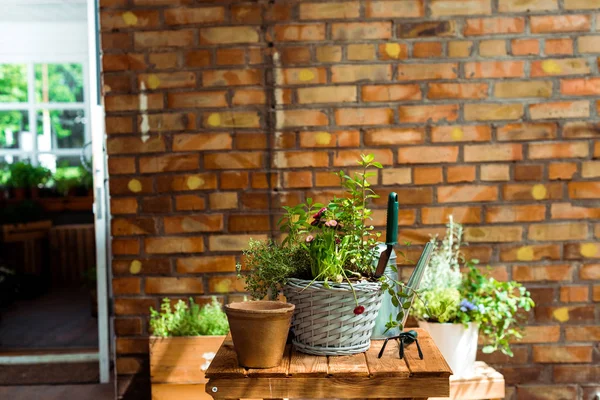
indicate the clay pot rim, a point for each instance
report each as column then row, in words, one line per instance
column 277, row 307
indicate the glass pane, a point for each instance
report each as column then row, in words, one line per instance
column 14, row 130
column 13, row 83
column 10, row 159
column 58, row 83
column 60, row 129
column 63, row 166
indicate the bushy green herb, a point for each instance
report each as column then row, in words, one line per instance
column 188, row 320
column 24, row 175
column 438, row 305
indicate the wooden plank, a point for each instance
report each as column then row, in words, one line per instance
column 486, row 383
column 225, row 364
column 279, row 371
column 348, row 366
column 179, row 392
column 433, row 363
column 322, row 388
column 306, row 365
column 389, row 364
column 182, row 359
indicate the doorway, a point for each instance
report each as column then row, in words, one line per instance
column 54, row 325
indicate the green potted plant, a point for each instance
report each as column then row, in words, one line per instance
column 456, row 307
column 326, row 261
column 24, row 177
column 185, row 338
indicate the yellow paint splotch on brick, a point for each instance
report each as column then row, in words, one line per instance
column 306, row 75
column 214, row 119
column 588, row 250
column 194, row 182
column 561, row 314
column 551, row 67
column 457, row 134
column 539, row 192
column 393, row 50
column 129, row 18
column 323, row 138
column 135, row 186
column 135, row 267
column 223, row 286
column 525, row 253
column 153, row 82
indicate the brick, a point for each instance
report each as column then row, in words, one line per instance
column 231, row 77
column 174, row 244
column 390, row 92
column 248, row 97
column 226, row 284
column 580, row 87
column 525, row 47
column 361, row 30
column 588, row 44
column 118, row 125
column 178, row 183
column 329, row 54
column 343, row 10
column 360, row 52
column 169, row 163
column 125, row 246
column 558, row 231
column 558, row 150
column 492, row 112
column 198, row 58
column 249, row 223
column 121, row 165
column 354, row 73
column 493, row 26
column 295, row 55
column 460, row 48
column 198, row 223
column 426, row 29
column 428, row 175
column 232, row 119
column 158, row 205
column 117, row 41
column 457, row 91
column 494, row 172
column 232, row 242
column 250, row 141
column 522, row 89
column 229, row 35
column 580, row 251
column 141, row 19
column 120, row 62
column 427, row 154
column 559, row 47
column 576, row 373
column 438, row 215
column 427, row 49
column 416, row 72
column 546, row 392
column 529, row 172
column 246, row 13
column 364, row 116
column 566, row 66
column 494, row 152
column 535, row 252
column 223, row 200
column 564, row 171
column 304, row 76
column 299, row 32
column 581, row 4
column 238, row 160
column 524, row 213
column 134, row 306
column 493, row 234
column 202, row 141
column 197, row 99
column 163, row 39
column 464, row 133
column 560, row 23
column 392, row 51
column 515, row 6
column 299, row 179
column 549, row 273
column 189, row 202
column 409, row 196
column 206, row 264
column 349, row 157
column 300, row 159
column 327, row 94
column 441, row 8
column 123, row 205
column 131, row 346
column 584, row 190
column 574, row 294
column 495, row 69
column 582, row 333
column 429, row 113
column 519, row 374
column 590, row 169
column 460, row 174
column 393, row 136
column 528, row 131
column 330, row 139
column 492, row 48
column 291, row 118
column 132, row 102
column 126, row 286
column 133, row 226
column 466, row 193
column 569, row 211
column 388, row 9
column 170, row 122
column 128, row 327
column 396, row 176
column 187, row 16
column 562, row 354
column 172, row 285
column 233, row 56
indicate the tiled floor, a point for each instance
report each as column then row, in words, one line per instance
column 70, row 392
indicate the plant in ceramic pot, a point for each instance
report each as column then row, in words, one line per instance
column 456, row 307
column 185, row 338
column 325, row 267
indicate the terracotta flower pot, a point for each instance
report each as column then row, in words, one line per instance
column 259, row 330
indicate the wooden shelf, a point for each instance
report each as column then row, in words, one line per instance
column 486, row 384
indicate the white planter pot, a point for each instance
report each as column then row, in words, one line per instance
column 457, row 344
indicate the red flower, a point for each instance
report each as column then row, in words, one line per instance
column 320, row 213
column 359, row 310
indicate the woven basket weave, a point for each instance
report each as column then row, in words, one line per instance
column 324, row 322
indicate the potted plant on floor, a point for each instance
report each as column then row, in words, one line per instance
column 325, row 267
column 455, row 307
column 185, row 338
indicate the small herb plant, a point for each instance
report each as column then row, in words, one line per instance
column 24, row 175
column 188, row 319
column 473, row 297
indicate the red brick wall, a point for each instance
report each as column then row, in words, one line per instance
column 484, row 109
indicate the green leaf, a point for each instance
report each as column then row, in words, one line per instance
column 377, row 165
column 488, row 349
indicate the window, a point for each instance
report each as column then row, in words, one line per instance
column 42, row 114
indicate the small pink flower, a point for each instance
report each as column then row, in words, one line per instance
column 320, row 213
column 309, row 238
column 359, row 310
column 331, row 223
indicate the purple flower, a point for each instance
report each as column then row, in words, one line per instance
column 309, row 238
column 320, row 213
column 466, row 305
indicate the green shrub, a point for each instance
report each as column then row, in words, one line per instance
column 188, row 320
column 24, row 175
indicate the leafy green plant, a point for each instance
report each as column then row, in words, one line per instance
column 438, row 305
column 188, row 319
column 67, row 178
column 24, row 175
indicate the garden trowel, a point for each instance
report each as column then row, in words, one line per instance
column 391, row 233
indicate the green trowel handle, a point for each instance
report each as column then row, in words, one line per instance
column 391, row 232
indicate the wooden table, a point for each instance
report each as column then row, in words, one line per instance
column 358, row 376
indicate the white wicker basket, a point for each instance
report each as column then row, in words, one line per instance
column 324, row 322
